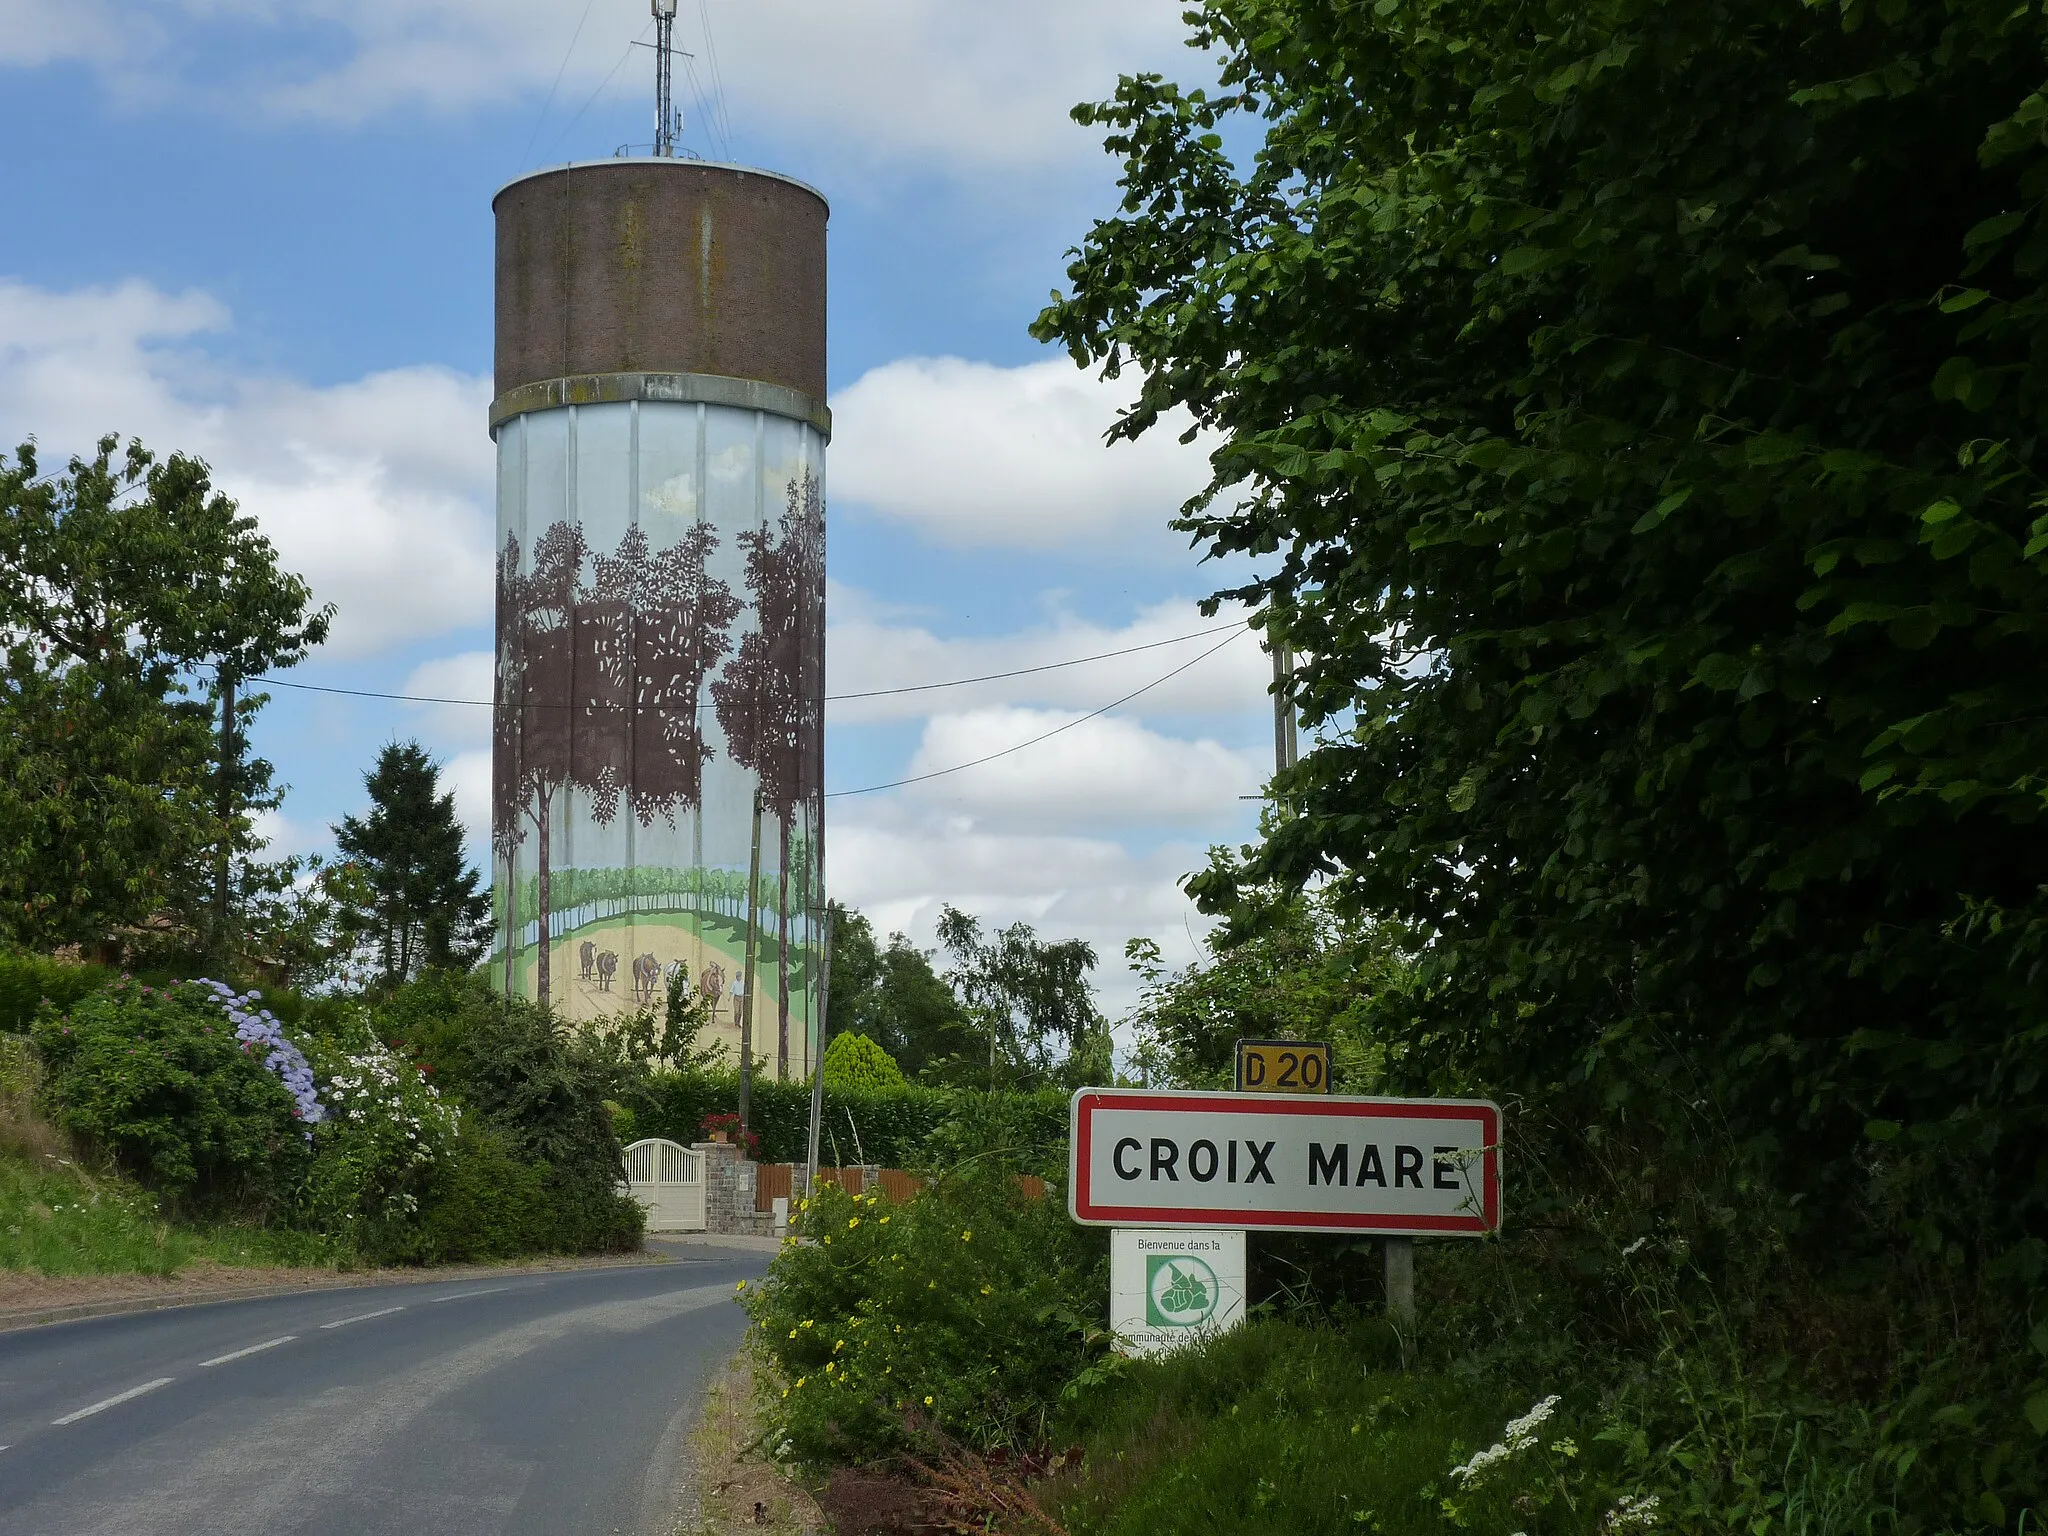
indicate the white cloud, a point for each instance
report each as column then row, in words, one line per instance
column 980, row 86
column 377, row 491
column 467, row 676
column 468, row 775
column 891, row 861
column 34, row 32
column 973, row 455
column 1104, row 772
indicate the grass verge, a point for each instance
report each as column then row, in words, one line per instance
column 737, row 1488
column 1283, row 1430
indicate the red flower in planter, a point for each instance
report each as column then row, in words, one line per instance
column 727, row 1125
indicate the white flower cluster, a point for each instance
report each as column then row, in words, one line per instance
column 1635, row 1512
column 261, row 1028
column 369, row 1086
column 1518, row 1437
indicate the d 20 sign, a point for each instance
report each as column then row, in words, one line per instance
column 1280, row 1163
column 1168, row 1286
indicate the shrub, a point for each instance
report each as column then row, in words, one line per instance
column 157, row 1079
column 27, row 982
column 964, row 1313
column 374, row 1154
column 855, row 1061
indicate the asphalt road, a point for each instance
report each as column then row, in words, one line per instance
column 550, row 1404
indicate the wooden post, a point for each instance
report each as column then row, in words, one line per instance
column 1400, row 1262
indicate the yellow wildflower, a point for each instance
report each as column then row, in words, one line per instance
column 967, row 1236
column 927, row 1402
column 852, row 1222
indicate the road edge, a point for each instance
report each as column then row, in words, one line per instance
column 16, row 1319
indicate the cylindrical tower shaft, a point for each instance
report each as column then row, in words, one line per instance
column 661, row 434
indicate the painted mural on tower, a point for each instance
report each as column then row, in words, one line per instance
column 660, row 661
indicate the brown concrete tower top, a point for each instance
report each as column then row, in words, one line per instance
column 660, row 279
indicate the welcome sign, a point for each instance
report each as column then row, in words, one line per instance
column 1281, row 1163
column 1170, row 1285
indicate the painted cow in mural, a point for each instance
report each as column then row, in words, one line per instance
column 586, row 956
column 646, row 976
column 607, row 964
column 711, row 985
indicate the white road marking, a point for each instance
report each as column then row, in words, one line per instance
column 253, row 1349
column 464, row 1295
column 361, row 1317
column 118, row 1397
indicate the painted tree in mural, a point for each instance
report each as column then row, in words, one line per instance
column 536, row 668
column 598, row 684
column 682, row 616
column 771, row 698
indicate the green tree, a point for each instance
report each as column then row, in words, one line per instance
column 1030, row 1001
column 855, row 1061
column 1633, row 409
column 892, row 994
column 424, row 909
column 1300, row 971
column 133, row 599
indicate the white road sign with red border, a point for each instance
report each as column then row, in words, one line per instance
column 1284, row 1163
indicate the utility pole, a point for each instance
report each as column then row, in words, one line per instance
column 747, row 976
column 1285, row 745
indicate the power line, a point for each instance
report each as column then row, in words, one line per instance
column 574, row 38
column 940, row 773
column 607, row 80
column 872, row 693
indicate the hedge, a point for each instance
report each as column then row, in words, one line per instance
column 26, row 980
column 891, row 1126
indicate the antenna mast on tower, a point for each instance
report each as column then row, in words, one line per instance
column 668, row 122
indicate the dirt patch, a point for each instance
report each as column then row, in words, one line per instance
column 26, row 1298
column 736, row 1488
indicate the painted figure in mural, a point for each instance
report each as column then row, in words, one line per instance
column 607, row 964
column 770, row 699
column 586, row 957
column 711, row 985
column 646, row 977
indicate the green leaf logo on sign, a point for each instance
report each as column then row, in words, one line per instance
column 1179, row 1292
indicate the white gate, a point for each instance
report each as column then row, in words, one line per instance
column 668, row 1180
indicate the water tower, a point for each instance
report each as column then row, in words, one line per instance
column 661, row 429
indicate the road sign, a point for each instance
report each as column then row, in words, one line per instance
column 1282, row 1163
column 1167, row 1286
column 1283, row 1066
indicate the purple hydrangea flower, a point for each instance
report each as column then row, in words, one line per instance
column 261, row 1030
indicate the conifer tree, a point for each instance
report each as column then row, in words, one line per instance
column 423, row 909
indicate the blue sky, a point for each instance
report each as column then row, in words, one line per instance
column 261, row 232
